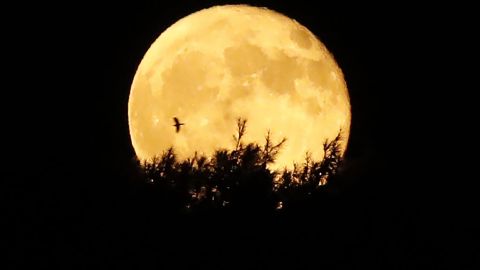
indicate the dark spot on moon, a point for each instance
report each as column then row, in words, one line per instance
column 185, row 80
column 301, row 37
column 281, row 73
column 245, row 59
column 319, row 73
column 313, row 106
column 278, row 73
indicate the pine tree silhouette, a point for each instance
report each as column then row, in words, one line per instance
column 238, row 179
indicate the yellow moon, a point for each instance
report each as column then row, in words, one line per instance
column 226, row 62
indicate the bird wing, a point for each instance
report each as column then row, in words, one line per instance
column 176, row 121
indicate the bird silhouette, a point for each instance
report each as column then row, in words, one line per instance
column 177, row 124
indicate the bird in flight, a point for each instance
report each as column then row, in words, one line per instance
column 177, row 124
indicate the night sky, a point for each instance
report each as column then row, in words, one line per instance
column 69, row 148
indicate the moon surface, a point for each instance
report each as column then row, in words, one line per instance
column 228, row 62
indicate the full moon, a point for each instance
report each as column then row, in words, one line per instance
column 228, row 62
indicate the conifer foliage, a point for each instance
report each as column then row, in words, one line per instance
column 238, row 178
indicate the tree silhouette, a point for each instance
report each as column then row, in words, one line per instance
column 238, row 179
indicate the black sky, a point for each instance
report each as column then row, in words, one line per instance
column 72, row 65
